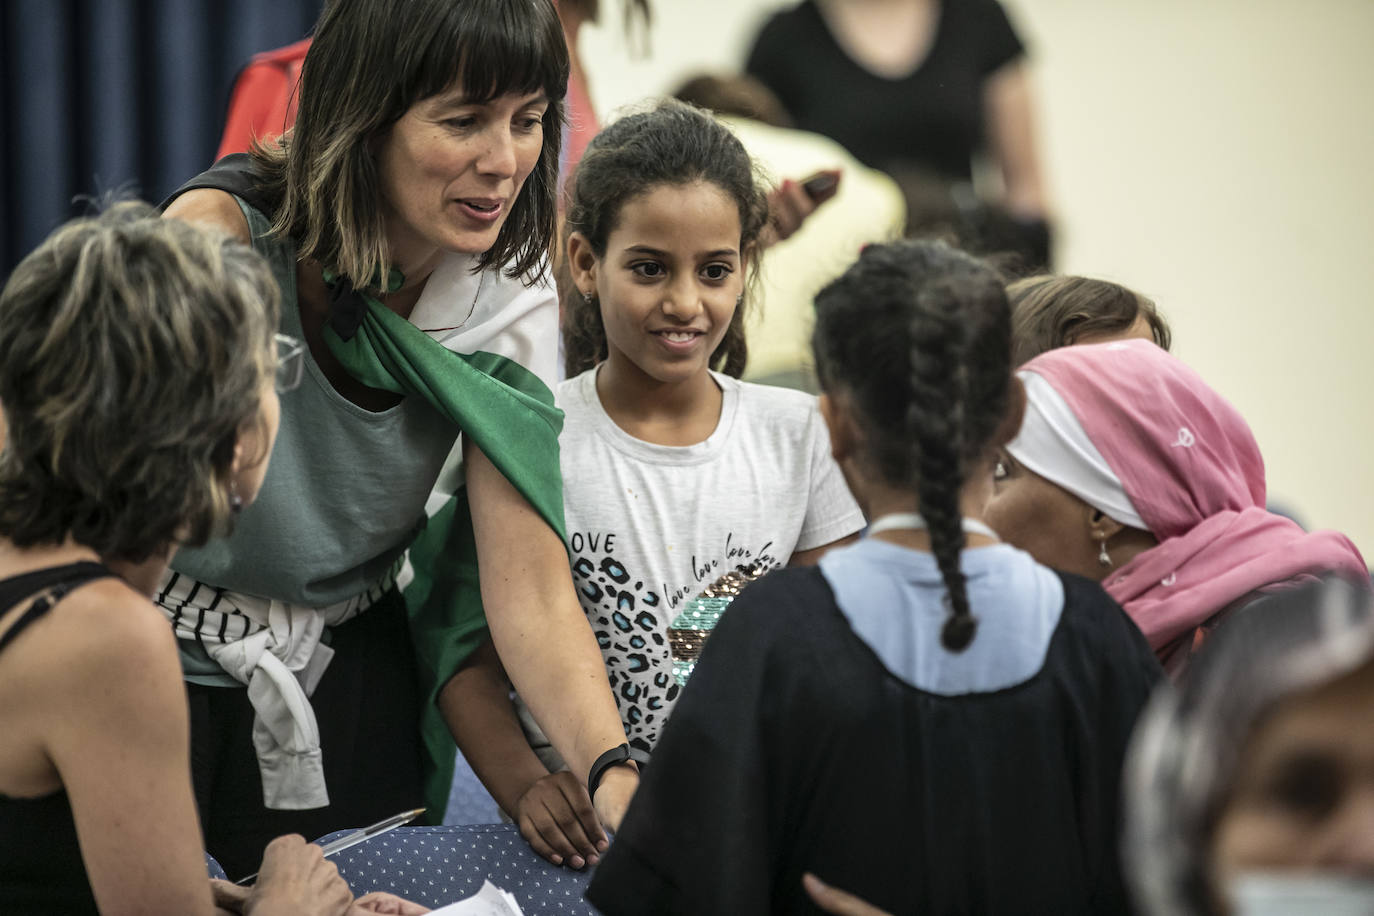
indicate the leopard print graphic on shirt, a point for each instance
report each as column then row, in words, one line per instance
column 633, row 643
column 630, row 619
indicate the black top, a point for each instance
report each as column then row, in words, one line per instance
column 41, row 870
column 931, row 119
column 793, row 749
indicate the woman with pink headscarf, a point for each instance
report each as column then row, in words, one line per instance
column 1130, row 470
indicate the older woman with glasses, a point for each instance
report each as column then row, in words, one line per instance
column 140, row 389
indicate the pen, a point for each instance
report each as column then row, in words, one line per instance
column 359, row 836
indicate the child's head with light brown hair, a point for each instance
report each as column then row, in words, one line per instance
column 1048, row 312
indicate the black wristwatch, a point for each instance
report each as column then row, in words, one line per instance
column 616, row 756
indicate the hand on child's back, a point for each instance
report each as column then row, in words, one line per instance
column 834, row 900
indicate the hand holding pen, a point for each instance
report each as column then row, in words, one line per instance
column 357, row 836
column 297, row 879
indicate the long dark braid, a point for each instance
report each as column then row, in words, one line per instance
column 917, row 335
column 935, row 430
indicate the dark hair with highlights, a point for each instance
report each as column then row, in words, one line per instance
column 133, row 351
column 671, row 144
column 369, row 62
column 1048, row 312
column 916, row 336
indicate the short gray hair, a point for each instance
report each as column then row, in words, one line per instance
column 133, row 351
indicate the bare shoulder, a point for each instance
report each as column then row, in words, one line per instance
column 115, row 636
column 211, row 207
column 103, row 658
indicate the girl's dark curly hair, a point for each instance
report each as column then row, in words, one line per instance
column 671, row 144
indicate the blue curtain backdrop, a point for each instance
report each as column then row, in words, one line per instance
column 118, row 94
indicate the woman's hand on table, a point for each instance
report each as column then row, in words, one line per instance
column 557, row 819
column 382, row 902
column 296, row 879
column 229, row 897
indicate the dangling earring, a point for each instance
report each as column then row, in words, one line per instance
column 235, row 500
column 1102, row 556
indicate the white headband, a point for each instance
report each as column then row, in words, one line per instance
column 1052, row 443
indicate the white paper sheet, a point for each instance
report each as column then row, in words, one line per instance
column 490, row 900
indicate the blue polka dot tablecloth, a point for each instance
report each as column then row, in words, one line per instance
column 441, row 865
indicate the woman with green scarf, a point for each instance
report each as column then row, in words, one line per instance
column 407, row 217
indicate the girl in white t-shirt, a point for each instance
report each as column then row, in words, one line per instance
column 675, row 472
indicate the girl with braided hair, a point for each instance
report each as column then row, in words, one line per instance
column 929, row 719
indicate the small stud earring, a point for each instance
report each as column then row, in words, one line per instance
column 1102, row 556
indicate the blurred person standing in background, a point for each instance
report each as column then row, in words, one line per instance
column 912, row 86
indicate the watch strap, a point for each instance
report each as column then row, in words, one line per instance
column 617, row 756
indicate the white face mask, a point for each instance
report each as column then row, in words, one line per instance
column 1271, row 893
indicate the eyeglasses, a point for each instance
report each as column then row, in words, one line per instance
column 290, row 362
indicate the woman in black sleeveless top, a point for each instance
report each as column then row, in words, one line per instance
column 138, row 374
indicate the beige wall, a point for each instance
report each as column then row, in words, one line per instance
column 1216, row 155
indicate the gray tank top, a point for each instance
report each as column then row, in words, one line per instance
column 345, row 493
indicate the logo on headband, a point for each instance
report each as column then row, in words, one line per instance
column 1185, row 438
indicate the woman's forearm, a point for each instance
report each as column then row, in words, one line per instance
column 552, row 659
column 537, row 625
column 476, row 705
column 1011, row 135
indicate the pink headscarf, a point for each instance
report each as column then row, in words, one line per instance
column 1190, row 466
